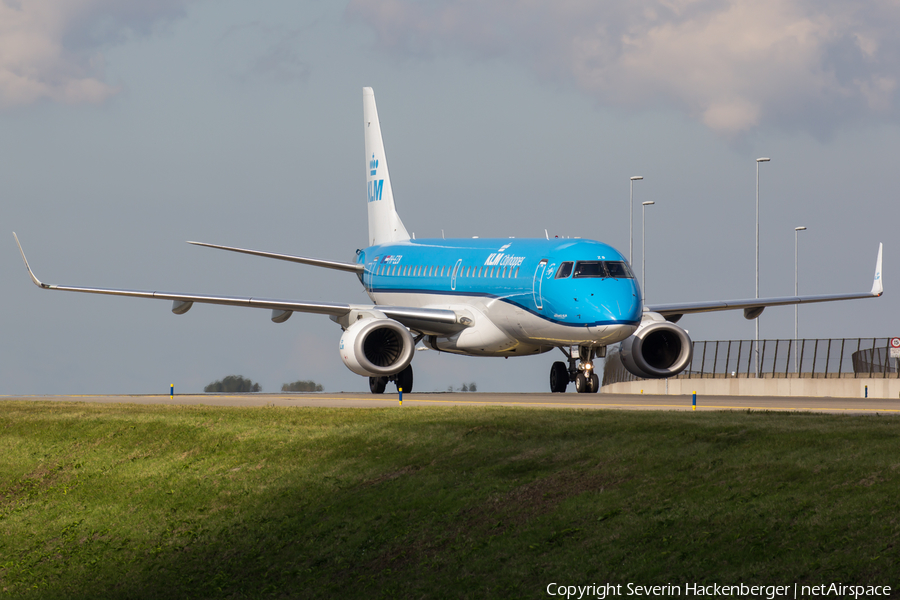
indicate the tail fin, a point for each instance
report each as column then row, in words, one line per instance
column 384, row 222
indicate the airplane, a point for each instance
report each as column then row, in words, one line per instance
column 485, row 297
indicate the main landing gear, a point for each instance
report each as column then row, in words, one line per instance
column 582, row 373
column 403, row 379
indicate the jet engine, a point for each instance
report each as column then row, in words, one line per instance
column 377, row 347
column 657, row 349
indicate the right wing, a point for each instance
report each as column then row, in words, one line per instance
column 432, row 321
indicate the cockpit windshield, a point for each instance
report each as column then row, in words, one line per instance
column 603, row 268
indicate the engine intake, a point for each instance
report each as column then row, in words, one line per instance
column 377, row 347
column 657, row 349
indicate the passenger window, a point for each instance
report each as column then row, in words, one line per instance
column 565, row 269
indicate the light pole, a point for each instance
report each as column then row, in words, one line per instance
column 631, row 219
column 797, row 231
column 758, row 160
column 644, row 206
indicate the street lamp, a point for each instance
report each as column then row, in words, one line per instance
column 797, row 231
column 758, row 160
column 631, row 219
column 644, row 206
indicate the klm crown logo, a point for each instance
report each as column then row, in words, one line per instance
column 376, row 186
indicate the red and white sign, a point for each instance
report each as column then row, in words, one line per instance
column 895, row 347
column 895, row 342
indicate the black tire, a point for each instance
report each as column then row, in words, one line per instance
column 559, row 377
column 377, row 384
column 594, row 384
column 404, row 379
column 581, row 383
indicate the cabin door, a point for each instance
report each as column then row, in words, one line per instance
column 537, row 283
column 453, row 277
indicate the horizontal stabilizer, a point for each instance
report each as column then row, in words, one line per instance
column 316, row 262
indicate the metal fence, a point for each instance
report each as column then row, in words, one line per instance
column 849, row 357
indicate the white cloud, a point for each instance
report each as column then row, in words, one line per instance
column 732, row 65
column 52, row 49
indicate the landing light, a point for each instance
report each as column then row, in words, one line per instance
column 588, row 366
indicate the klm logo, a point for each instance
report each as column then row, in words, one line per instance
column 376, row 187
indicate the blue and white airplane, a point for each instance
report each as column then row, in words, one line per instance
column 485, row 297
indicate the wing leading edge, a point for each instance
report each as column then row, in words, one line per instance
column 425, row 320
column 753, row 307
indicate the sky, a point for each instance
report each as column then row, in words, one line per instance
column 128, row 128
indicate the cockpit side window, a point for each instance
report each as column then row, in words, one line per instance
column 603, row 268
column 565, row 269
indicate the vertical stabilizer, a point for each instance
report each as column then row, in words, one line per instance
column 384, row 222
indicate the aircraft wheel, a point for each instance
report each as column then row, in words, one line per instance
column 377, row 384
column 559, row 377
column 594, row 382
column 581, row 383
column 404, row 379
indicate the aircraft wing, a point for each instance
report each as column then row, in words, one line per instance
column 432, row 321
column 753, row 307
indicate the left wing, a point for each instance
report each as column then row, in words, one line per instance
column 431, row 321
column 753, row 307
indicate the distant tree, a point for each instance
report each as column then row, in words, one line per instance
column 473, row 387
column 302, row 386
column 465, row 387
column 233, row 384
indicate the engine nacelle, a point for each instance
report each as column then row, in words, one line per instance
column 377, row 347
column 657, row 349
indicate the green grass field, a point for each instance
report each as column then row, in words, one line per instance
column 133, row 501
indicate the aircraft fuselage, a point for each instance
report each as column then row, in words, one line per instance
column 526, row 295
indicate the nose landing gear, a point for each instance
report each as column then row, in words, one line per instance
column 580, row 370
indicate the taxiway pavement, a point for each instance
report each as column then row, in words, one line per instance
column 534, row 400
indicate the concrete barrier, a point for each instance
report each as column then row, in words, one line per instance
column 741, row 386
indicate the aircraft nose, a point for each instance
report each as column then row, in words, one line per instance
column 616, row 303
column 627, row 306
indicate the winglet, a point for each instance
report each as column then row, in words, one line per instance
column 36, row 281
column 877, row 286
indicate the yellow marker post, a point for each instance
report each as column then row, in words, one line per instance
column 694, row 405
column 172, row 392
column 400, row 389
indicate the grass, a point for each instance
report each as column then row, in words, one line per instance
column 134, row 501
